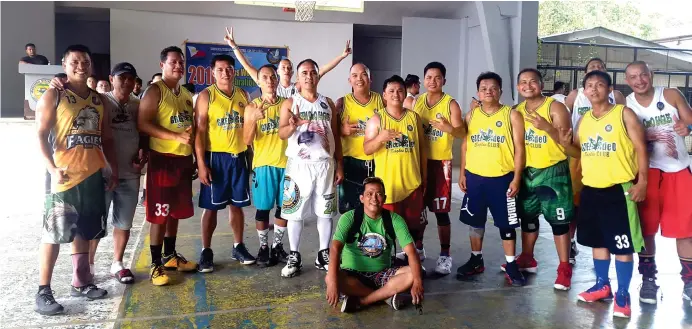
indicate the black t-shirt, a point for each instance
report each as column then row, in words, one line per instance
column 36, row 60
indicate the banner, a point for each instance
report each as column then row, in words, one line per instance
column 198, row 63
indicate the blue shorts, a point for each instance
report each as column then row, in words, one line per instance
column 267, row 187
column 483, row 193
column 229, row 181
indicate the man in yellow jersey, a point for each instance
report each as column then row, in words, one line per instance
column 355, row 109
column 285, row 88
column 492, row 162
column 442, row 120
column 613, row 157
column 165, row 115
column 222, row 165
column 261, row 130
column 578, row 103
column 546, row 185
column 395, row 137
column 75, row 207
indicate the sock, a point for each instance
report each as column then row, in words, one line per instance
column 116, row 267
column 80, row 270
column 509, row 258
column 278, row 235
column 624, row 272
column 156, row 254
column 686, row 273
column 444, row 250
column 294, row 229
column 477, row 253
column 40, row 287
column 263, row 237
column 91, row 269
column 235, row 244
column 324, row 230
column 168, row 245
column 647, row 266
column 602, row 266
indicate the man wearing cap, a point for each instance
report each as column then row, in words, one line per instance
column 412, row 87
column 131, row 156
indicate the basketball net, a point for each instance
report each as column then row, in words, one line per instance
column 305, row 10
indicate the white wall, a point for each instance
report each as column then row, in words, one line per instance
column 381, row 55
column 21, row 23
column 138, row 37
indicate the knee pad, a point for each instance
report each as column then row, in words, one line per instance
column 508, row 234
column 262, row 216
column 530, row 225
column 476, row 232
column 277, row 214
column 561, row 229
column 442, row 219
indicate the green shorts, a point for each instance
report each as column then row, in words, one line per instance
column 355, row 172
column 547, row 191
column 79, row 211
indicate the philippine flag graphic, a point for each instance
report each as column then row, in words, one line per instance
column 194, row 53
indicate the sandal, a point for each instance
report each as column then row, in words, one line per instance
column 125, row 276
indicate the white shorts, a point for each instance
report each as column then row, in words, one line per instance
column 309, row 190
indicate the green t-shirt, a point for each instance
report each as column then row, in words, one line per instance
column 372, row 253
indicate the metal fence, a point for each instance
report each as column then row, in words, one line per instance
column 565, row 61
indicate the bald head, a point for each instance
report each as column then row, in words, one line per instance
column 638, row 64
column 359, row 78
column 638, row 76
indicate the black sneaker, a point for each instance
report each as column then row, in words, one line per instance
column 294, row 265
column 241, row 254
column 206, row 261
column 90, row 291
column 513, row 275
column 279, row 254
column 322, row 260
column 473, row 266
column 349, row 304
column 46, row 304
column 263, row 256
column 573, row 252
column 395, row 302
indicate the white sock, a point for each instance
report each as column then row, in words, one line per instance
column 509, row 258
column 295, row 229
column 324, row 229
column 263, row 237
column 279, row 233
column 91, row 269
column 235, row 244
column 476, row 253
column 116, row 267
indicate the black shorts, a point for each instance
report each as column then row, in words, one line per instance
column 373, row 280
column 609, row 219
column 355, row 172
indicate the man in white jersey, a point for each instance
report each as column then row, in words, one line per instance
column 578, row 104
column 285, row 88
column 412, row 84
column 310, row 123
column 665, row 114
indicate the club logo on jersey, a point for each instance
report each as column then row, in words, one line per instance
column 361, row 127
column 534, row 140
column 122, row 117
column 608, row 128
column 270, row 127
column 240, row 104
column 659, row 120
column 438, row 116
column 582, row 110
column 401, row 144
column 498, row 124
column 232, row 120
column 597, row 147
column 38, row 88
column 182, row 119
column 409, row 128
column 291, row 197
column 85, row 130
column 487, row 138
column 432, row 133
column 372, row 245
column 324, row 105
column 330, row 206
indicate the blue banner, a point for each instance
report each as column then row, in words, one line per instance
column 198, row 64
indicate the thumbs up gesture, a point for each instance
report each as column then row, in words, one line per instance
column 680, row 127
column 185, row 137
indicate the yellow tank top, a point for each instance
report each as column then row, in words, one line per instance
column 607, row 153
column 356, row 112
column 541, row 150
column 439, row 143
column 77, row 133
column 489, row 143
column 403, row 155
column 270, row 150
column 226, row 117
column 174, row 114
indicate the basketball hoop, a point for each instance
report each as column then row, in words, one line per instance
column 305, row 10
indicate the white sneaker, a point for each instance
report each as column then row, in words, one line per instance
column 444, row 265
column 294, row 264
column 421, row 254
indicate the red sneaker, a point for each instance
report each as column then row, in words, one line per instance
column 601, row 290
column 564, row 277
column 622, row 307
column 525, row 263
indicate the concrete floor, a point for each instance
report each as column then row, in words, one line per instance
column 237, row 296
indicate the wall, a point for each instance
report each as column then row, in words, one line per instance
column 381, row 55
column 93, row 34
column 138, row 37
column 13, row 37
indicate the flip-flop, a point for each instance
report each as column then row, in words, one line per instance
column 125, row 276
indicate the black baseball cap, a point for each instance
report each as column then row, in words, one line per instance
column 123, row 67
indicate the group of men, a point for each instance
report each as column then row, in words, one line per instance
column 390, row 157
